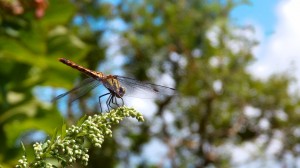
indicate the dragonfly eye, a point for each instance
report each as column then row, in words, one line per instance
column 121, row 91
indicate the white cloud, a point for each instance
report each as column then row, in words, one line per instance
column 280, row 52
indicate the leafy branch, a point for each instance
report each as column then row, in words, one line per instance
column 70, row 146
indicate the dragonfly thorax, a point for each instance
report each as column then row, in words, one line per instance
column 114, row 86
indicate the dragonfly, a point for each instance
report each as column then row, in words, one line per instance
column 117, row 87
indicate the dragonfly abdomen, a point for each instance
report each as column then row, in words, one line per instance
column 86, row 71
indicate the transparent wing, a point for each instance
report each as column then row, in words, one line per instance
column 140, row 89
column 80, row 90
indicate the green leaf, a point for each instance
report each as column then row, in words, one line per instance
column 58, row 12
column 23, row 147
column 63, row 130
column 81, row 120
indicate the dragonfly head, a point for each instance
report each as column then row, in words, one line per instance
column 121, row 92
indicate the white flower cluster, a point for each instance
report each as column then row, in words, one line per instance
column 70, row 146
column 22, row 162
column 70, row 150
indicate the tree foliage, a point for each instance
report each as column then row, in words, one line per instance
column 192, row 42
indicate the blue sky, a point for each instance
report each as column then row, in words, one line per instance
column 278, row 31
column 261, row 12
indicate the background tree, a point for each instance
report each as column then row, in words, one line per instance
column 208, row 56
column 191, row 42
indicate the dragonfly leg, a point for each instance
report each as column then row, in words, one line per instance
column 122, row 104
column 122, row 101
column 109, row 101
column 100, row 100
column 115, row 101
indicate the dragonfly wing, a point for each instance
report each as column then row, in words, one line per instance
column 80, row 90
column 140, row 89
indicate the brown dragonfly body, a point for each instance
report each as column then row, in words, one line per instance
column 118, row 86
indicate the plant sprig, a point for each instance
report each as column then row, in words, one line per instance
column 68, row 147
